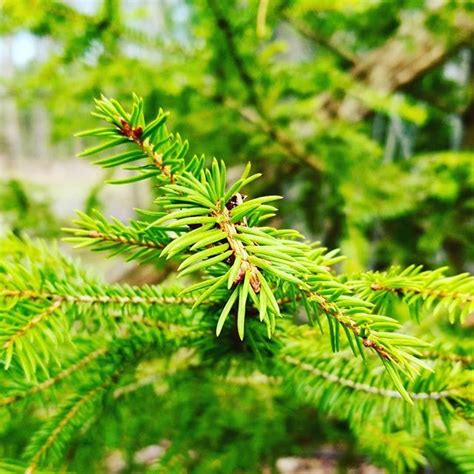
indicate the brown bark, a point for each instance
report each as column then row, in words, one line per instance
column 412, row 52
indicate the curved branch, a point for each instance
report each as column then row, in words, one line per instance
column 357, row 386
column 67, row 418
column 84, row 361
column 32, row 323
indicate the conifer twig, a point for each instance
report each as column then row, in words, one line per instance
column 87, row 359
column 423, row 291
column 363, row 387
column 86, row 398
column 94, row 234
column 32, row 323
column 97, row 299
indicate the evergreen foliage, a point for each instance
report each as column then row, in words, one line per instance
column 346, row 99
column 266, row 307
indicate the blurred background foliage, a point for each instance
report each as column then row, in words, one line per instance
column 360, row 113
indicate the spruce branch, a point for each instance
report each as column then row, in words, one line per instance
column 365, row 387
column 29, row 333
column 337, row 385
column 266, row 309
column 457, row 447
column 135, row 241
column 215, row 231
column 49, row 442
column 144, row 296
column 464, row 359
column 39, row 304
column 26, row 328
column 163, row 152
column 29, row 325
column 71, row 416
column 430, row 289
column 403, row 451
column 78, row 364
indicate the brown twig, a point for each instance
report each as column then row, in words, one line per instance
column 304, row 30
column 238, row 249
column 135, row 135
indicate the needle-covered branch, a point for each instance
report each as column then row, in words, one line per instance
column 40, row 304
column 135, row 242
column 79, row 409
column 13, row 391
column 212, row 229
column 337, row 384
column 433, row 290
column 246, row 272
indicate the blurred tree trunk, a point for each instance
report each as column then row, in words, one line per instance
column 468, row 115
column 400, row 61
column 10, row 117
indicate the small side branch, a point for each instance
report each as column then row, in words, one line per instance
column 425, row 292
column 87, row 359
column 135, row 135
column 333, row 311
column 362, row 387
column 102, row 299
column 32, row 323
column 93, row 234
column 68, row 417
